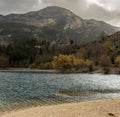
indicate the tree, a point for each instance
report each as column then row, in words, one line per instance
column 68, row 62
column 105, row 62
column 4, row 61
column 117, row 61
column 63, row 61
column 89, row 64
column 79, row 63
column 108, row 47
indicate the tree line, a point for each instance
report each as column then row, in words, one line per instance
column 68, row 56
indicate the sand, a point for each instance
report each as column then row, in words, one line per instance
column 98, row 108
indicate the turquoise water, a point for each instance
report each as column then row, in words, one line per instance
column 22, row 89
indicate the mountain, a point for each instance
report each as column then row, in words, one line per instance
column 115, row 39
column 16, row 33
column 54, row 24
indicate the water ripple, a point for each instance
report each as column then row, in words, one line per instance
column 21, row 89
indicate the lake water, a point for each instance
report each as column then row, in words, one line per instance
column 22, row 89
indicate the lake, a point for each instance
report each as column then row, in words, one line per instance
column 20, row 89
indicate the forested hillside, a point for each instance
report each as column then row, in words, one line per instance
column 103, row 54
column 56, row 38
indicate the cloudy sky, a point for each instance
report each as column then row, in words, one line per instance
column 106, row 10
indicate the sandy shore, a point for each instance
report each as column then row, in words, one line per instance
column 99, row 108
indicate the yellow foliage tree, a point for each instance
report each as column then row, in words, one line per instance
column 63, row 61
column 108, row 47
column 117, row 61
column 70, row 61
column 79, row 62
column 88, row 63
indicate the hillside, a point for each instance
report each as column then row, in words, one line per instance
column 102, row 56
column 16, row 33
column 48, row 38
column 55, row 24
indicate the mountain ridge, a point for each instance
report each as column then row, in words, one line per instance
column 48, row 8
column 60, row 25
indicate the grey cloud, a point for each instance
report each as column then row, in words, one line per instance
column 91, row 11
column 16, row 6
column 101, row 13
column 115, row 4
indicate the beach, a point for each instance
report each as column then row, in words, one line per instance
column 95, row 108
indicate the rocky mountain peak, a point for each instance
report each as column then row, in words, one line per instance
column 59, row 24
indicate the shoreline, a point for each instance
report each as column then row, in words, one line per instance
column 28, row 70
column 95, row 108
column 115, row 71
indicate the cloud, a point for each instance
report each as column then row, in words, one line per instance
column 17, row 6
column 105, row 10
column 113, row 4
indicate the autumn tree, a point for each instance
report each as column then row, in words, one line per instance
column 117, row 61
column 89, row 64
column 63, row 61
column 108, row 47
column 105, row 62
column 68, row 62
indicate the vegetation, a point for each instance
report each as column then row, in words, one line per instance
column 117, row 61
column 68, row 62
column 65, row 42
column 67, row 57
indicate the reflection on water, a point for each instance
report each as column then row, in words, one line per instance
column 21, row 89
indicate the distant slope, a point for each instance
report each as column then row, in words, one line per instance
column 16, row 33
column 60, row 25
column 115, row 39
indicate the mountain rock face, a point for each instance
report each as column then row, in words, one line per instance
column 115, row 38
column 53, row 24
